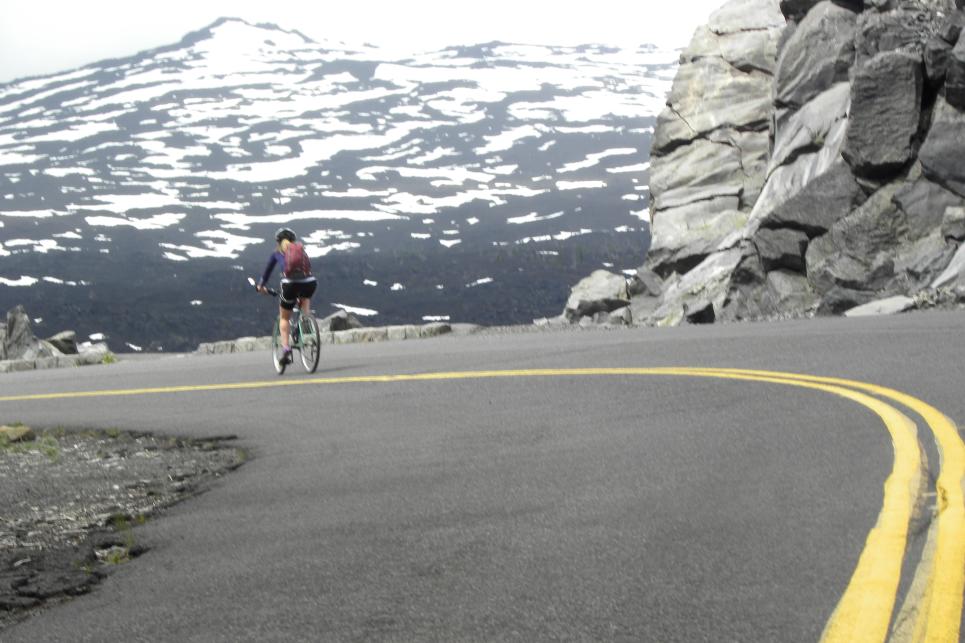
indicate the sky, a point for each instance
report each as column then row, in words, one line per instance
column 40, row 37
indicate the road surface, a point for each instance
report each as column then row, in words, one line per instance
column 544, row 486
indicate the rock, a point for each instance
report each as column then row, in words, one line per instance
column 686, row 238
column 702, row 313
column 951, row 29
column 906, row 29
column 954, row 274
column 818, row 55
column 340, row 320
column 646, row 282
column 822, row 202
column 937, row 53
column 788, row 294
column 706, row 283
column 16, row 338
column 602, row 291
column 746, row 51
column 797, row 9
column 838, row 300
column 885, row 115
column 941, row 153
column 924, row 204
column 65, row 342
column 620, row 317
column 700, row 171
column 887, row 306
column 782, row 248
column 434, row 329
column 16, row 434
column 787, row 181
column 710, row 94
column 857, row 252
column 953, row 223
column 955, row 76
column 807, row 129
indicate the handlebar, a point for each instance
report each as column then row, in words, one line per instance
column 268, row 290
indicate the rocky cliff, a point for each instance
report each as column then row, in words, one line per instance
column 809, row 161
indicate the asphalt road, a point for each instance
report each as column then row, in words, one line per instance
column 622, row 506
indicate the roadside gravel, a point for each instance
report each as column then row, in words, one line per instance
column 70, row 503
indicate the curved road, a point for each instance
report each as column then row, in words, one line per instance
column 547, row 503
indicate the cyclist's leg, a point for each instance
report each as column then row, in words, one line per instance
column 284, row 326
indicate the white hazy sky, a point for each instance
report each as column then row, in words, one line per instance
column 45, row 36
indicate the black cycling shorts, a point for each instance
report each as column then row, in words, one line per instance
column 291, row 292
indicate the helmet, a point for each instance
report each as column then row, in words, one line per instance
column 284, row 233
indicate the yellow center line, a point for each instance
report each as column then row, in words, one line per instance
column 865, row 609
column 940, row 620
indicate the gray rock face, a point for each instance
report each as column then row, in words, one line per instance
column 905, row 29
column 955, row 74
column 818, row 55
column 887, row 306
column 340, row 320
column 886, row 99
column 782, row 248
column 859, row 194
column 820, row 204
column 16, row 338
column 65, row 342
column 941, row 153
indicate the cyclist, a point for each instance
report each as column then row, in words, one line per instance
column 297, row 283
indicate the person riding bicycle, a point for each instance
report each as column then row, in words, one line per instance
column 297, row 282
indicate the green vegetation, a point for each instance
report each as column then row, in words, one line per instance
column 46, row 444
column 109, row 358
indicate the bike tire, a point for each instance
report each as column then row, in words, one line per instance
column 310, row 343
column 277, row 350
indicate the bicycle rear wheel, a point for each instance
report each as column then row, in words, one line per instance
column 310, row 343
column 277, row 350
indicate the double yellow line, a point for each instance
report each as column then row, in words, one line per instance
column 933, row 609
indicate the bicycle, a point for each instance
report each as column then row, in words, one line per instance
column 304, row 337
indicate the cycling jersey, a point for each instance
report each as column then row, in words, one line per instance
column 277, row 258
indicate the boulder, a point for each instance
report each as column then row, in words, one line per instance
column 937, row 53
column 645, row 282
column 941, row 153
column 782, row 248
column 65, row 342
column 857, row 252
column 686, row 238
column 707, row 283
column 602, row 291
column 953, row 223
column 788, row 294
column 887, row 306
column 822, row 202
column 924, row 204
column 787, row 181
column 955, row 76
column 886, row 98
column 905, row 29
column 807, row 129
column 699, row 171
column 709, row 94
column 818, row 55
column 838, row 300
column 954, row 274
column 951, row 29
column 340, row 320
column 16, row 338
column 797, row 9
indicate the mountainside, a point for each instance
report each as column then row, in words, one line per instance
column 475, row 183
column 809, row 161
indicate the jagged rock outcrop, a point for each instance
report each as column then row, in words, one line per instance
column 860, row 195
column 20, row 350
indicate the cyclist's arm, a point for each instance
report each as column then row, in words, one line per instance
column 272, row 260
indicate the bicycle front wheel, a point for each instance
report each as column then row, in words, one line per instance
column 277, row 350
column 311, row 343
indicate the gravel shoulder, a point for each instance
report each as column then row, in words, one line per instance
column 70, row 504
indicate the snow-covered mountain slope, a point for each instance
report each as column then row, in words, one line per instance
column 471, row 182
